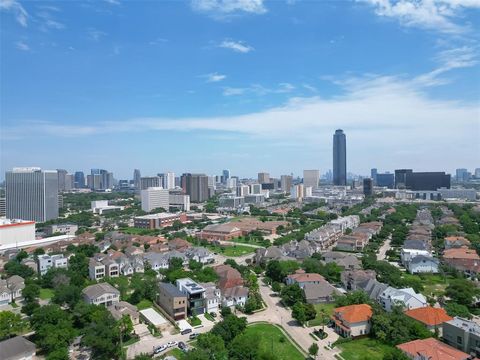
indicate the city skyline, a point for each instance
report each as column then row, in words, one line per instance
column 88, row 87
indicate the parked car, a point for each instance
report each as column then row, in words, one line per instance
column 193, row 336
column 182, row 345
column 159, row 349
column 172, row 343
column 186, row 331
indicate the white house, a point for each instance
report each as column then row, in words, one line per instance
column 234, row 296
column 422, row 264
column 212, row 297
column 11, row 289
column 408, row 254
column 101, row 294
column 407, row 297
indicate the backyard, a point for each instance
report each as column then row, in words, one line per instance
column 432, row 283
column 363, row 349
column 46, row 294
column 273, row 342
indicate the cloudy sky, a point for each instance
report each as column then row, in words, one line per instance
column 248, row 85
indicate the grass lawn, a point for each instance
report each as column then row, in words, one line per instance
column 209, row 317
column 133, row 340
column 46, row 294
column 432, row 283
column 328, row 311
column 363, row 349
column 273, row 342
column 179, row 354
column 144, row 304
column 194, row 321
column 231, row 250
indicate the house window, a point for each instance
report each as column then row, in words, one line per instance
column 459, row 340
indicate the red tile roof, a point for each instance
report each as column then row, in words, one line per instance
column 432, row 349
column 429, row 316
column 354, row 313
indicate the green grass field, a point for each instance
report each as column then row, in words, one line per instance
column 231, row 250
column 179, row 354
column 328, row 311
column 433, row 283
column 363, row 349
column 270, row 342
column 46, row 294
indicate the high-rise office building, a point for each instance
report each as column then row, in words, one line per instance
column 373, row 175
column 401, row 178
column 243, row 190
column 62, row 174
column 263, row 178
column 136, row 179
column 477, row 173
column 311, row 178
column 462, row 175
column 69, row 182
column 155, row 197
column 150, row 181
column 100, row 179
column 31, row 194
column 195, row 185
column 256, row 189
column 368, row 187
column 169, row 180
column 286, row 182
column 79, row 180
column 385, row 180
column 339, row 158
column 225, row 176
column 417, row 181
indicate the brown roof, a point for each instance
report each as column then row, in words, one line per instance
column 460, row 253
column 305, row 277
column 432, row 349
column 355, row 313
column 429, row 315
column 229, row 277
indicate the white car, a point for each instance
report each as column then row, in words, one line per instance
column 172, row 344
column 159, row 349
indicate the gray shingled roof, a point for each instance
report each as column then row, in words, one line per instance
column 16, row 348
column 94, row 291
column 170, row 289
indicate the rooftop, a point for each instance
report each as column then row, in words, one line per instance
column 191, row 286
column 429, row 315
column 157, row 216
column 432, row 349
column 355, row 313
column 170, row 289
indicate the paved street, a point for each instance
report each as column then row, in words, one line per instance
column 382, row 252
column 277, row 314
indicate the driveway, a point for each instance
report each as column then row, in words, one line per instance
column 277, row 314
column 382, row 252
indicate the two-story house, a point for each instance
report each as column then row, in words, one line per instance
column 101, row 294
column 352, row 320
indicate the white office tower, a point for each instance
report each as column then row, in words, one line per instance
column 243, row 190
column 155, row 197
column 311, row 178
column 180, row 201
column 232, row 183
column 297, row 192
column 31, row 194
column 212, row 182
column 255, row 189
column 308, row 191
column 286, row 182
column 169, row 180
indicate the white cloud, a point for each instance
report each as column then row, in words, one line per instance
column 113, row 2
column 237, row 46
column 259, row 90
column 157, row 41
column 436, row 15
column 47, row 22
column 214, row 77
column 455, row 58
column 95, row 34
column 22, row 46
column 14, row 6
column 221, row 9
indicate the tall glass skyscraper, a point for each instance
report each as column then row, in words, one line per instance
column 31, row 194
column 339, row 158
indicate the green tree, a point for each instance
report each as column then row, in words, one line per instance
column 313, row 350
column 11, row 324
column 13, row 267
column 103, row 336
column 244, row 347
column 213, row 345
column 454, row 309
column 58, row 354
column 276, row 286
column 298, row 313
column 352, row 298
column 278, row 270
column 67, row 295
column 292, row 294
column 461, row 291
column 229, row 327
column 195, row 265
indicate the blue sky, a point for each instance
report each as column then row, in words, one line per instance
column 247, row 85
